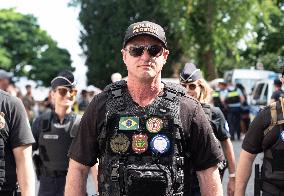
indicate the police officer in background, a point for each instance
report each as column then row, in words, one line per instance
column 53, row 132
column 264, row 135
column 233, row 99
column 144, row 132
column 191, row 78
column 15, row 148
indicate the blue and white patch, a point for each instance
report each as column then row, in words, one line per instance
column 282, row 135
column 227, row 127
column 160, row 144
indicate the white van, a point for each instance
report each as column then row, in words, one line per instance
column 249, row 77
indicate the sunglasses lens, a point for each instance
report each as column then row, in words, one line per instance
column 192, row 86
column 155, row 50
column 136, row 51
column 73, row 92
column 62, row 91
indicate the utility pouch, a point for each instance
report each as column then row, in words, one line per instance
column 150, row 181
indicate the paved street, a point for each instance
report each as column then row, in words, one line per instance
column 250, row 187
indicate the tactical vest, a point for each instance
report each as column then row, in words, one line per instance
column 232, row 97
column 54, row 142
column 141, row 149
column 273, row 161
column 216, row 99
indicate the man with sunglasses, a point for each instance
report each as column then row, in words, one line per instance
column 53, row 132
column 144, row 132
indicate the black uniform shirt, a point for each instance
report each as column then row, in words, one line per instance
column 219, row 124
column 18, row 129
column 200, row 139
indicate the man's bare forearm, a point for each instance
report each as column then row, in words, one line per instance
column 25, row 170
column 243, row 172
column 210, row 182
column 76, row 179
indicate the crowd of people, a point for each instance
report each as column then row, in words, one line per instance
column 141, row 136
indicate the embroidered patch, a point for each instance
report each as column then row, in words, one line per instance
column 2, row 120
column 139, row 143
column 50, row 137
column 160, row 144
column 154, row 124
column 119, row 143
column 282, row 135
column 129, row 123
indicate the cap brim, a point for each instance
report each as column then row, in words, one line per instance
column 143, row 33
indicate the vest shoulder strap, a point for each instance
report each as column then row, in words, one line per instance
column 275, row 118
column 45, row 121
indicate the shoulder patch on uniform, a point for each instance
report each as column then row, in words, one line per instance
column 282, row 135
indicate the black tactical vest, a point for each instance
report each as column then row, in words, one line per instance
column 54, row 142
column 273, row 161
column 141, row 148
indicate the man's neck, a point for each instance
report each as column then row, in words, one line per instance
column 144, row 92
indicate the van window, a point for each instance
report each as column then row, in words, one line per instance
column 257, row 91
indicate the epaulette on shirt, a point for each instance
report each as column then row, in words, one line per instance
column 276, row 117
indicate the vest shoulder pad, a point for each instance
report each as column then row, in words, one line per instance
column 179, row 89
column 45, row 121
column 115, row 85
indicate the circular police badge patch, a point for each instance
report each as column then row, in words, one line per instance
column 2, row 120
column 139, row 143
column 154, row 124
column 119, row 143
column 282, row 135
column 160, row 144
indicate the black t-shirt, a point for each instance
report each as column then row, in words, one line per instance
column 202, row 145
column 16, row 125
column 277, row 94
column 220, row 126
column 254, row 141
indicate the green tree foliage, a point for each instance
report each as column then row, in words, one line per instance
column 215, row 34
column 24, row 43
column 104, row 24
column 267, row 43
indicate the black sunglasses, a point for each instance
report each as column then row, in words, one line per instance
column 138, row 50
column 63, row 91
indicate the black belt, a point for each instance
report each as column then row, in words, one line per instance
column 52, row 173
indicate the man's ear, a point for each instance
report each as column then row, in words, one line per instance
column 123, row 52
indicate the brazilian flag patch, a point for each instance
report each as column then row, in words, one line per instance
column 129, row 123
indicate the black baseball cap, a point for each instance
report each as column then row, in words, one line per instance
column 145, row 28
column 64, row 78
column 190, row 73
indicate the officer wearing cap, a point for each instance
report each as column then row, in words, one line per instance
column 265, row 134
column 4, row 79
column 191, row 78
column 144, row 132
column 15, row 148
column 53, row 132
